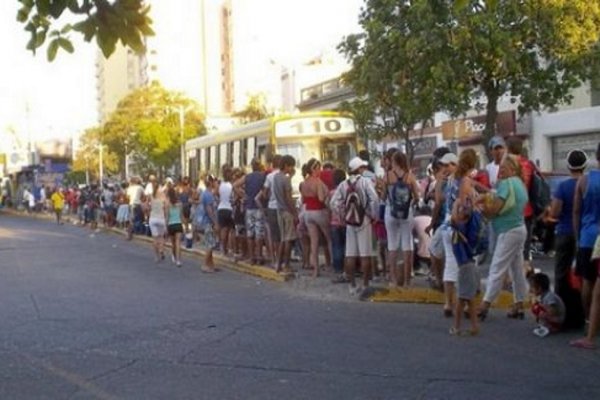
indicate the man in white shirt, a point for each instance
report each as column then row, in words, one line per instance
column 135, row 192
column 359, row 249
column 497, row 148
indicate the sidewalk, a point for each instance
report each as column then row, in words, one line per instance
column 301, row 282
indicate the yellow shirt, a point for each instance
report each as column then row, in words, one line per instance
column 58, row 200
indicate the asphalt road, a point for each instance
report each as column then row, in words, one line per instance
column 95, row 318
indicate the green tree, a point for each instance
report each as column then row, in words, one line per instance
column 397, row 86
column 87, row 157
column 106, row 21
column 147, row 124
column 535, row 51
column 255, row 110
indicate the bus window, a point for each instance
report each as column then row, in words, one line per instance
column 243, row 152
column 203, row 162
column 230, row 157
column 236, row 154
column 214, row 159
column 262, row 154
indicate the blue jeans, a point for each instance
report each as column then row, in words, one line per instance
column 338, row 244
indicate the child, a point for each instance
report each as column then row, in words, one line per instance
column 209, row 220
column 549, row 309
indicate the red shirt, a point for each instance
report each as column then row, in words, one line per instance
column 483, row 179
column 527, row 169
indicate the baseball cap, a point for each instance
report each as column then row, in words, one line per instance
column 356, row 163
column 449, row 158
column 496, row 141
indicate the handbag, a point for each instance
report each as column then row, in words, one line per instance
column 510, row 201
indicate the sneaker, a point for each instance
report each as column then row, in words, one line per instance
column 178, row 264
column 173, row 260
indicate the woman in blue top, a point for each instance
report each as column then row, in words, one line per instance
column 174, row 225
column 506, row 211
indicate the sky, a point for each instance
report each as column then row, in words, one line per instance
column 45, row 100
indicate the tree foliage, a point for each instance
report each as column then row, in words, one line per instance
column 421, row 56
column 87, row 157
column 255, row 110
column 106, row 21
column 397, row 86
column 147, row 125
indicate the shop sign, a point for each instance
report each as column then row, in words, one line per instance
column 506, row 125
column 424, row 146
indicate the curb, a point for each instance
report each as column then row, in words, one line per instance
column 430, row 296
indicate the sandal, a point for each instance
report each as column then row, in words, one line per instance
column 454, row 332
column 448, row 313
column 583, row 343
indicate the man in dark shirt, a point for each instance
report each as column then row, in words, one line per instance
column 255, row 221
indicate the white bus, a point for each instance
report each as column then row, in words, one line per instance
column 325, row 135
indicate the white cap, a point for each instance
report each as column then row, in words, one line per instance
column 356, row 163
column 169, row 180
column 449, row 158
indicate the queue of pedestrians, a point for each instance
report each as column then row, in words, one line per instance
column 359, row 227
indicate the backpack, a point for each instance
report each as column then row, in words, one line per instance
column 539, row 192
column 469, row 239
column 354, row 207
column 400, row 197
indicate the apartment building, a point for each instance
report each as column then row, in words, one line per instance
column 191, row 53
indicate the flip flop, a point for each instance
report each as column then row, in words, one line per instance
column 582, row 344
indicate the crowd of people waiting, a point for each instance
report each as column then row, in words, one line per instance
column 355, row 223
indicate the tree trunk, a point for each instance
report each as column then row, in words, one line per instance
column 490, row 121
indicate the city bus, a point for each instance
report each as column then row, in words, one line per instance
column 326, row 135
